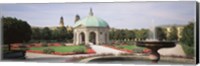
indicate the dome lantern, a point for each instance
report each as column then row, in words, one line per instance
column 91, row 13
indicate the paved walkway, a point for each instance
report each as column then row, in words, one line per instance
column 35, row 57
column 177, row 50
column 101, row 49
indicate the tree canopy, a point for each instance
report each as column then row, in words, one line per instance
column 160, row 33
column 15, row 30
column 188, row 35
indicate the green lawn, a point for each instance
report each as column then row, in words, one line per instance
column 60, row 48
column 128, row 47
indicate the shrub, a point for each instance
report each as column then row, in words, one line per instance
column 44, row 44
column 48, row 50
column 138, row 50
column 188, row 50
column 23, row 47
column 120, row 47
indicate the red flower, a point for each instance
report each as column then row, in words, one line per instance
column 146, row 50
column 89, row 51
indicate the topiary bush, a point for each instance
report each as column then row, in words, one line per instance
column 138, row 50
column 48, row 50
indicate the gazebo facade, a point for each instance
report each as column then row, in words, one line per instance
column 91, row 30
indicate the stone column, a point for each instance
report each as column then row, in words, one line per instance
column 87, row 37
column 97, row 37
column 77, row 38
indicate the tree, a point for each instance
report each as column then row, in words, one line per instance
column 36, row 33
column 187, row 39
column 132, row 35
column 15, row 30
column 160, row 33
column 142, row 34
column 173, row 34
column 188, row 35
column 46, row 33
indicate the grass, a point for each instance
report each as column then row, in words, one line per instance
column 60, row 48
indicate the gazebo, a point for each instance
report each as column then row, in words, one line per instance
column 91, row 30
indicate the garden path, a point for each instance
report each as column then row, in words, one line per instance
column 101, row 49
column 177, row 50
column 35, row 57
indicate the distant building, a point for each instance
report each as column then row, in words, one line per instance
column 61, row 21
column 61, row 25
column 169, row 29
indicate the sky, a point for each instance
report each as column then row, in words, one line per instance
column 124, row 15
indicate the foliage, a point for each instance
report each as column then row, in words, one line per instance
column 187, row 39
column 15, row 30
column 121, row 34
column 173, row 34
column 188, row 35
column 48, row 50
column 142, row 34
column 60, row 34
column 188, row 50
column 138, row 50
column 160, row 33
column 46, row 33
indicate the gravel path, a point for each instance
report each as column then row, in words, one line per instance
column 101, row 49
column 177, row 50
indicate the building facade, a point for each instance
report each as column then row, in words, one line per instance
column 179, row 29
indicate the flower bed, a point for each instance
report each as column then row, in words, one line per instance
column 35, row 51
column 37, row 44
column 16, row 45
column 90, row 51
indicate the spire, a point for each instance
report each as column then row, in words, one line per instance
column 61, row 21
column 91, row 13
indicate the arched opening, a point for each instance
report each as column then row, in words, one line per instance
column 92, row 38
column 82, row 38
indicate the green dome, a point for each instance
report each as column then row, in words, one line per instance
column 92, row 21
